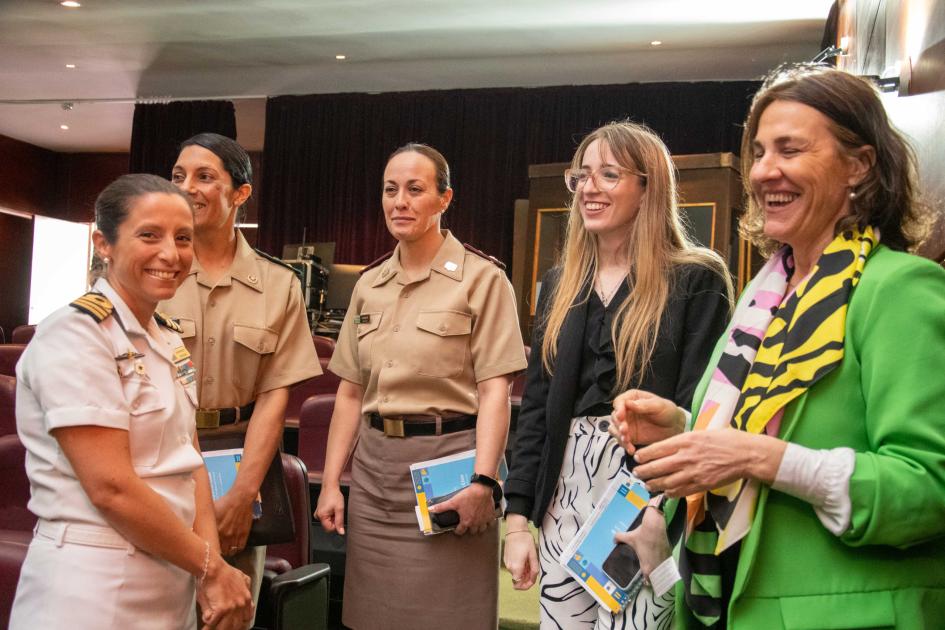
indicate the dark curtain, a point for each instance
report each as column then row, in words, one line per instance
column 158, row 129
column 325, row 154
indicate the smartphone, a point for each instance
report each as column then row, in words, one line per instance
column 622, row 564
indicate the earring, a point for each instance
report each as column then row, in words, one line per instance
column 852, row 195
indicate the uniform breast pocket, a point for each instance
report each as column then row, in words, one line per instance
column 252, row 344
column 188, row 328
column 367, row 331
column 147, row 422
column 442, row 342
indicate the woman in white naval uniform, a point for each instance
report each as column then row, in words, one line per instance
column 105, row 407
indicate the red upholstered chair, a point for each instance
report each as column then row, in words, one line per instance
column 324, row 346
column 14, row 486
column 326, row 383
column 13, row 547
column 9, row 355
column 7, row 404
column 16, row 522
column 23, row 334
column 314, row 420
column 296, row 590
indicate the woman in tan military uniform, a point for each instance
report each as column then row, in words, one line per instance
column 426, row 355
column 244, row 324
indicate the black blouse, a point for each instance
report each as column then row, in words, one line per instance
column 598, row 361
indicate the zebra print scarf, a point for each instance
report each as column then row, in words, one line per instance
column 777, row 348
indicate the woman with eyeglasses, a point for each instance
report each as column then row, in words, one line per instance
column 632, row 303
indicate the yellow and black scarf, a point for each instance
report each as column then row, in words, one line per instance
column 777, row 348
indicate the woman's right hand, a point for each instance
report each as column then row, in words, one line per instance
column 641, row 418
column 649, row 541
column 521, row 556
column 330, row 510
column 224, row 596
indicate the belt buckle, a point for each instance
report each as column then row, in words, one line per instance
column 208, row 418
column 394, row 427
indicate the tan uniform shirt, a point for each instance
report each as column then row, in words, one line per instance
column 421, row 348
column 248, row 333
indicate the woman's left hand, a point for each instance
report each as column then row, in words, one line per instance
column 475, row 506
column 234, row 519
column 702, row 460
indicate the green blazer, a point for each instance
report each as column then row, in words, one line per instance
column 886, row 400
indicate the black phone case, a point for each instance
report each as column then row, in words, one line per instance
column 622, row 564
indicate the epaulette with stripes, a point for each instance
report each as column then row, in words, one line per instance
column 495, row 261
column 95, row 305
column 167, row 322
column 378, row 261
column 277, row 261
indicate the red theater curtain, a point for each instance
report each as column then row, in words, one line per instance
column 325, row 154
column 158, row 129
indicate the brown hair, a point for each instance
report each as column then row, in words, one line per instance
column 887, row 197
column 656, row 244
column 439, row 162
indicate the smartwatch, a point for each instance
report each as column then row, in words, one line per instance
column 489, row 482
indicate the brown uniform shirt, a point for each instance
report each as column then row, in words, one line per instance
column 421, row 348
column 247, row 334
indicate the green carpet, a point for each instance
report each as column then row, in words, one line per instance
column 518, row 610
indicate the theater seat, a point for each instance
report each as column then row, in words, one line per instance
column 326, row 383
column 23, row 334
column 14, row 486
column 324, row 346
column 13, row 548
column 9, row 355
column 7, row 405
column 314, row 421
column 296, row 590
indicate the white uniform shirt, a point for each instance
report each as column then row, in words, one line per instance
column 75, row 372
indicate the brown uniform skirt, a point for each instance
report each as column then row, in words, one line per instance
column 395, row 577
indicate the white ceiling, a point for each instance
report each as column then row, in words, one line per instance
column 249, row 49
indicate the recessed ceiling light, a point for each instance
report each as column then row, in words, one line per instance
column 70, row 65
column 64, row 127
column 71, row 4
column 341, row 57
column 656, row 42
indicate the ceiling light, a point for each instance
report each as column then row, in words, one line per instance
column 64, row 127
column 341, row 57
column 656, row 42
column 70, row 66
column 71, row 4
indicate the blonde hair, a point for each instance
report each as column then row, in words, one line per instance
column 656, row 244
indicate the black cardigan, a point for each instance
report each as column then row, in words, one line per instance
column 694, row 318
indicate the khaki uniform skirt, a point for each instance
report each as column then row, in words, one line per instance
column 395, row 577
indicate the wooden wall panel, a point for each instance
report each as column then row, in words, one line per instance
column 16, row 243
column 28, row 176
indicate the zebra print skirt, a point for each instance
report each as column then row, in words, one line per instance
column 592, row 459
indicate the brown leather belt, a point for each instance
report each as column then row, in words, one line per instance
column 408, row 426
column 214, row 418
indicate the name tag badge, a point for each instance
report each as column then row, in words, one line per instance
column 362, row 319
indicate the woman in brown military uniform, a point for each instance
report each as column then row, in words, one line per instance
column 245, row 327
column 426, row 355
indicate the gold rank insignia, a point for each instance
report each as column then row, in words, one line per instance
column 95, row 305
column 167, row 322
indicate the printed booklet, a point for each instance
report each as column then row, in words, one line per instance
column 437, row 480
column 222, row 467
column 607, row 570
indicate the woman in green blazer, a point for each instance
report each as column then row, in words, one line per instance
column 814, row 464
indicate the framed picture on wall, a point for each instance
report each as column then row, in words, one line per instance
column 699, row 219
column 550, row 229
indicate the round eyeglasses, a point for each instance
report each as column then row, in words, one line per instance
column 606, row 178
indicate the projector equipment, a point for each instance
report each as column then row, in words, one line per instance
column 314, row 279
